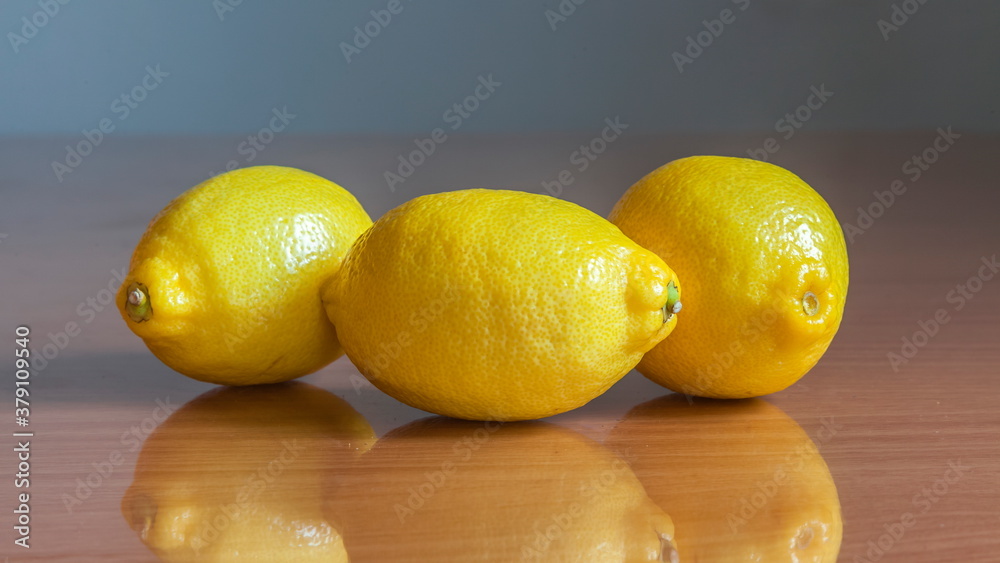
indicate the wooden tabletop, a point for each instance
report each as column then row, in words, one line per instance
column 894, row 435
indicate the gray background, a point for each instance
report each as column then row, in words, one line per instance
column 607, row 58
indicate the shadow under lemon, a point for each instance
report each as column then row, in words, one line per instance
column 740, row 478
column 236, row 475
column 440, row 489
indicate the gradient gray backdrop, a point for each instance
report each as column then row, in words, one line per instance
column 607, row 58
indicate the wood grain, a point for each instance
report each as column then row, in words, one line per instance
column 899, row 432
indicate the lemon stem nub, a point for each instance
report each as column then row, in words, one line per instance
column 673, row 304
column 810, row 303
column 667, row 552
column 138, row 306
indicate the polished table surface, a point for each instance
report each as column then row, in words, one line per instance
column 911, row 442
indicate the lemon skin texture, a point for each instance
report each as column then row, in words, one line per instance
column 765, row 271
column 237, row 474
column 741, row 479
column 498, row 305
column 224, row 285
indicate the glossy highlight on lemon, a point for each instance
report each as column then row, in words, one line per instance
column 499, row 305
column 765, row 271
column 224, row 285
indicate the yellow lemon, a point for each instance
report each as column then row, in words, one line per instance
column 765, row 271
column 449, row 490
column 224, row 286
column 237, row 474
column 495, row 304
column 742, row 481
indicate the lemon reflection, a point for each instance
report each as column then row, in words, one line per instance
column 236, row 475
column 741, row 479
column 446, row 490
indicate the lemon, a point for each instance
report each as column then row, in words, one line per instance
column 765, row 271
column 224, row 285
column 495, row 304
column 742, row 480
column 237, row 475
column 449, row 490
